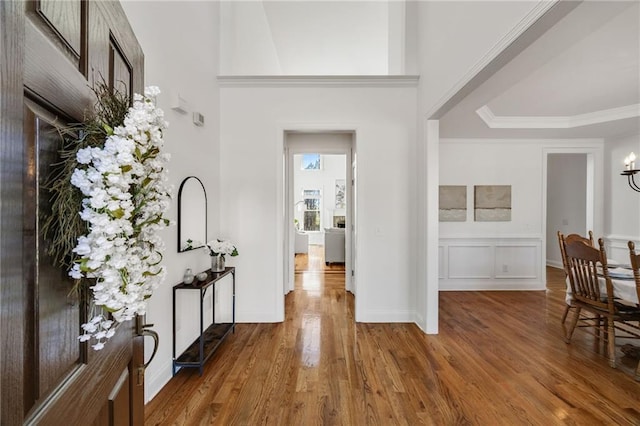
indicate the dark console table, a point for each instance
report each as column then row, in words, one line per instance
column 210, row 338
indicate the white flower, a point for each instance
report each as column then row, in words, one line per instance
column 122, row 248
column 84, row 155
column 223, row 247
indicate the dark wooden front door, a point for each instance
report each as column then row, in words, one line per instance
column 52, row 53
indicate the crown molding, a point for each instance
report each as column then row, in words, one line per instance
column 557, row 122
column 319, row 81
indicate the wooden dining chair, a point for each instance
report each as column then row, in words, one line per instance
column 635, row 265
column 561, row 241
column 586, row 267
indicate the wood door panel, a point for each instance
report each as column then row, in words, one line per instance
column 47, row 74
column 64, row 19
column 79, row 400
column 119, row 412
column 109, row 28
column 57, row 313
column 53, row 328
column 119, row 70
column 117, row 409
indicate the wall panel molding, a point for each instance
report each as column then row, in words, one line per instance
column 617, row 248
column 490, row 263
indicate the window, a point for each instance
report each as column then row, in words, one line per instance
column 310, row 162
column 311, row 209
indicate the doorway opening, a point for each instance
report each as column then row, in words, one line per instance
column 319, row 205
column 569, row 199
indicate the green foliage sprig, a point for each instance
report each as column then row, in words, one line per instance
column 62, row 226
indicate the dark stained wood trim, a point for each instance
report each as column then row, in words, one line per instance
column 11, row 154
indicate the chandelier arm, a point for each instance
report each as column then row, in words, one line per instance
column 632, row 182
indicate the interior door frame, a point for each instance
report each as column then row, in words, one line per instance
column 285, row 206
column 594, row 192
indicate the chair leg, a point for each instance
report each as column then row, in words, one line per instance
column 611, row 340
column 572, row 327
column 566, row 312
column 638, row 372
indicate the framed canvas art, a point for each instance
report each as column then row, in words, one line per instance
column 492, row 203
column 453, row 203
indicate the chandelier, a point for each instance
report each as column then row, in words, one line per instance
column 630, row 171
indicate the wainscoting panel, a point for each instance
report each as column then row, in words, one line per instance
column 617, row 248
column 470, row 261
column 516, row 261
column 506, row 263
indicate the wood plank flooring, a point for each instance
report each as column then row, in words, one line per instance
column 314, row 261
column 499, row 359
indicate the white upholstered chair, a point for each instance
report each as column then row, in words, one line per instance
column 334, row 245
column 301, row 243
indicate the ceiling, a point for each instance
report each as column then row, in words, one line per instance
column 580, row 79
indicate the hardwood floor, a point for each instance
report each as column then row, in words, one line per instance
column 314, row 261
column 499, row 359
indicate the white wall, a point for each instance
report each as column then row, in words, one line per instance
column 622, row 204
column 311, row 38
column 501, row 255
column 495, row 162
column 253, row 121
column 177, row 65
column 566, row 200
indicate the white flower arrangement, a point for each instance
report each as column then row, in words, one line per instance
column 222, row 247
column 125, row 199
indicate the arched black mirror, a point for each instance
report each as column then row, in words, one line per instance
column 192, row 214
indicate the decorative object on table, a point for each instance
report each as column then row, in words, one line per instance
column 188, row 276
column 630, row 171
column 202, row 276
column 218, row 249
column 453, row 203
column 492, row 203
column 112, row 171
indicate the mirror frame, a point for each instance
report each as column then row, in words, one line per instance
column 182, row 184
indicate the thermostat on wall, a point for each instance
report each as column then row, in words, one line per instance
column 198, row 119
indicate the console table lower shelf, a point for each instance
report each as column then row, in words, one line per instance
column 212, row 337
